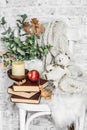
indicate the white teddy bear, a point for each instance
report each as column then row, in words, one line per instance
column 70, row 82
column 56, row 71
column 62, row 74
column 65, row 61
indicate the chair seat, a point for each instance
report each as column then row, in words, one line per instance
column 38, row 109
column 34, row 107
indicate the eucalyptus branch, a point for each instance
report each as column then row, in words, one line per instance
column 24, row 46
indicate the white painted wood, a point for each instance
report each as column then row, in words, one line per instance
column 1, row 122
column 36, row 114
column 22, row 118
column 39, row 109
column 77, row 125
column 82, row 119
column 33, row 107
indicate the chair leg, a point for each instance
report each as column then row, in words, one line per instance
column 82, row 120
column 33, row 116
column 76, row 125
column 71, row 127
column 1, row 120
column 22, row 119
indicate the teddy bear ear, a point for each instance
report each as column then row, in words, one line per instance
column 68, row 56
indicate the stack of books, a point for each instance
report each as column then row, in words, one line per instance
column 29, row 92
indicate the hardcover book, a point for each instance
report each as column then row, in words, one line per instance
column 22, row 94
column 29, row 86
column 35, row 99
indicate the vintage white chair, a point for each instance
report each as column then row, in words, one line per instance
column 43, row 109
column 40, row 110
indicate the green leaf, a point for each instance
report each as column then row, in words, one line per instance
column 7, row 43
column 20, row 51
column 9, row 30
column 0, row 57
column 4, row 33
column 25, row 47
column 12, row 35
column 31, row 41
column 14, row 48
column 4, row 39
column 17, row 40
column 19, row 21
column 46, row 51
column 40, row 49
column 24, row 16
column 18, row 26
column 12, row 45
column 3, row 21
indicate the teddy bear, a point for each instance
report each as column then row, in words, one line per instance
column 54, row 72
column 62, row 74
column 65, row 61
column 70, row 83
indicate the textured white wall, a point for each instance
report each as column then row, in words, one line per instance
column 73, row 12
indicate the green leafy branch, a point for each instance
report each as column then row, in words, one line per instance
column 20, row 49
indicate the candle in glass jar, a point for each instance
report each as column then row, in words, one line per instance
column 18, row 68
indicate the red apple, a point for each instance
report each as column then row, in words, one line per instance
column 33, row 75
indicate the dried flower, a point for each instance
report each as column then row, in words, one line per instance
column 26, row 27
column 34, row 27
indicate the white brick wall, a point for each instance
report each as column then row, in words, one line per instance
column 73, row 12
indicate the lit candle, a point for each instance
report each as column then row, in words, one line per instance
column 18, row 68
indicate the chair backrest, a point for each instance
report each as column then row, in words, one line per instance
column 55, row 35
